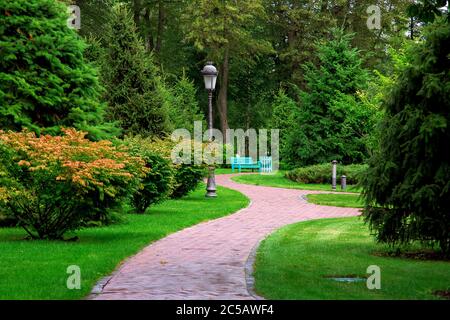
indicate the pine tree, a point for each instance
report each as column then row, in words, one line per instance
column 407, row 188
column 184, row 105
column 45, row 83
column 134, row 90
column 339, row 72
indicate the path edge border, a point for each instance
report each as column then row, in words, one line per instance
column 249, row 270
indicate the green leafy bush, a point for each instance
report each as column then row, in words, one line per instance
column 51, row 185
column 187, row 178
column 158, row 182
column 321, row 173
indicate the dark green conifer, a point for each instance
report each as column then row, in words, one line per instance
column 45, row 82
column 407, row 188
column 134, row 90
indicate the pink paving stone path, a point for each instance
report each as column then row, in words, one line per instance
column 207, row 261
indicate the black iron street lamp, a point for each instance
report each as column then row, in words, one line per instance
column 209, row 73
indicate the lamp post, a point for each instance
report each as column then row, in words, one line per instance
column 209, row 73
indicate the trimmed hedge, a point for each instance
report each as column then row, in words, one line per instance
column 321, row 173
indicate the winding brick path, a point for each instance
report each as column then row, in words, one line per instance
column 207, row 261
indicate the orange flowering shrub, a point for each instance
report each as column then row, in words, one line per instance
column 50, row 184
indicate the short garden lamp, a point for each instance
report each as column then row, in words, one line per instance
column 210, row 73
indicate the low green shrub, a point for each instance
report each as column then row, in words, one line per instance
column 158, row 182
column 321, row 173
column 186, row 176
column 53, row 184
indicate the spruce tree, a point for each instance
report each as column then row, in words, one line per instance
column 134, row 90
column 407, row 188
column 184, row 106
column 45, row 83
column 339, row 72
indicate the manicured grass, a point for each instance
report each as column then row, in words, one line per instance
column 293, row 262
column 278, row 180
column 37, row 269
column 223, row 171
column 337, row 200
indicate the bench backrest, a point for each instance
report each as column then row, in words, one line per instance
column 241, row 160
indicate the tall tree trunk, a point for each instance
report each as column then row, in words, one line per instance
column 161, row 22
column 148, row 38
column 223, row 92
column 137, row 7
column 324, row 6
column 142, row 21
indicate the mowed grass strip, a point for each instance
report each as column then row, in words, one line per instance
column 296, row 262
column 37, row 269
column 337, row 200
column 278, row 180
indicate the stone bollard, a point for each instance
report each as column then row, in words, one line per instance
column 333, row 175
column 343, row 183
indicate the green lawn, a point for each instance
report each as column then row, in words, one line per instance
column 37, row 269
column 293, row 262
column 223, row 171
column 280, row 181
column 337, row 200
